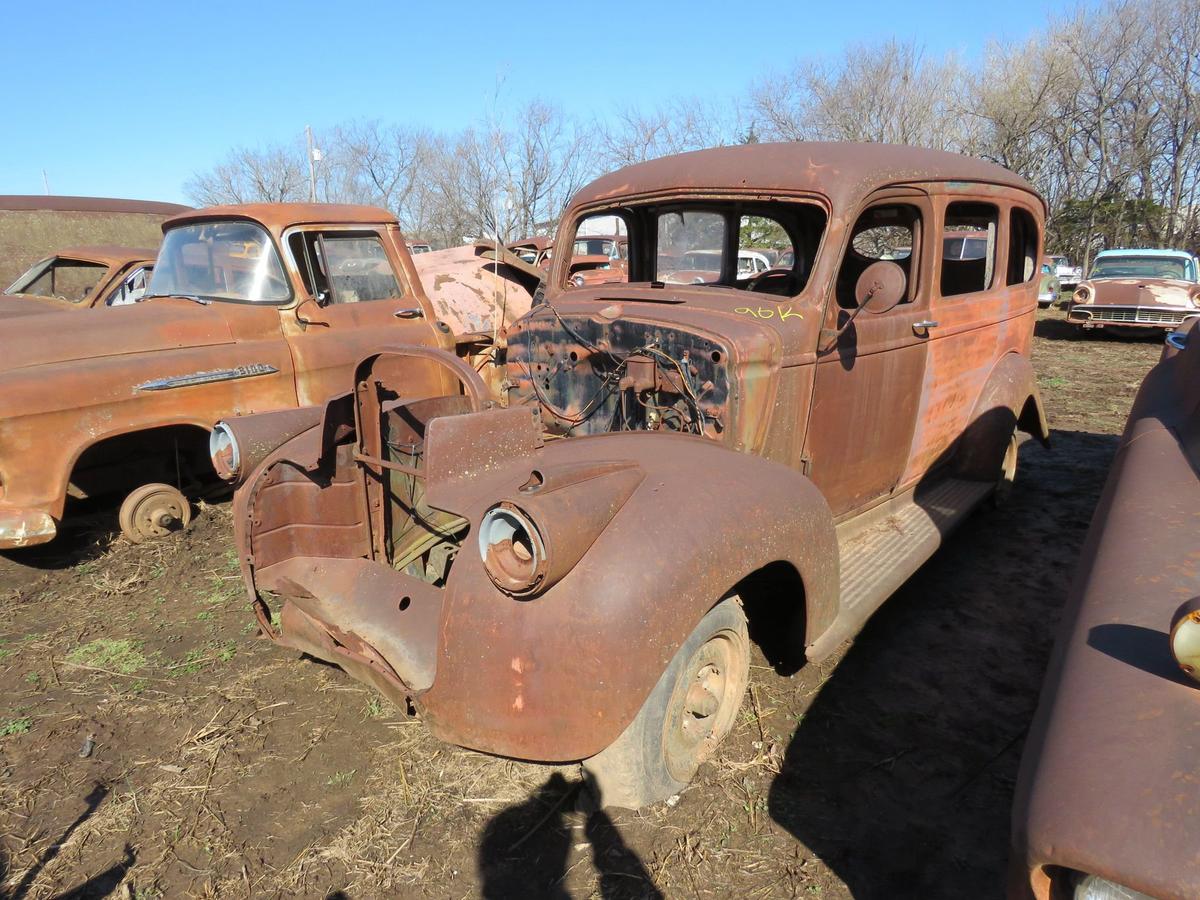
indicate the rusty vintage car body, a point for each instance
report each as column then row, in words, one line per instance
column 250, row 308
column 1108, row 799
column 80, row 278
column 1130, row 291
column 568, row 576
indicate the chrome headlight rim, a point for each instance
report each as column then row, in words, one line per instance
column 224, row 452
column 512, row 550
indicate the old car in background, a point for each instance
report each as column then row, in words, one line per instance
column 1049, row 287
column 417, row 247
column 574, row 576
column 1068, row 275
column 249, row 308
column 1132, row 291
column 81, row 278
column 1109, row 791
column 534, row 250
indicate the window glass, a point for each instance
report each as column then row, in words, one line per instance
column 358, row 268
column 1131, row 266
column 220, row 261
column 132, row 289
column 69, row 279
column 761, row 239
column 1022, row 247
column 887, row 232
column 968, row 248
column 600, row 250
column 690, row 247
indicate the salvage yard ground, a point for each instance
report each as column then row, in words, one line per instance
column 219, row 765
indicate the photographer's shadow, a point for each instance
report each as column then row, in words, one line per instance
column 525, row 849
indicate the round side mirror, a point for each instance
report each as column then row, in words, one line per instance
column 1185, row 638
column 880, row 287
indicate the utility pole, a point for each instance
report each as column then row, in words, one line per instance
column 45, row 182
column 314, row 156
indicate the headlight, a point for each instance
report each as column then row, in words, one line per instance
column 1082, row 295
column 512, row 550
column 1093, row 887
column 578, row 280
column 1185, row 638
column 223, row 448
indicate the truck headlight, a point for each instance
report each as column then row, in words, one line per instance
column 512, row 549
column 225, row 453
column 1082, row 295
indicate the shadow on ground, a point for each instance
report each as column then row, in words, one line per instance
column 870, row 782
column 529, row 849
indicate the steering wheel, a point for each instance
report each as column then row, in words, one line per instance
column 782, row 282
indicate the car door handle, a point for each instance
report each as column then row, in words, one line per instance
column 414, row 312
column 924, row 325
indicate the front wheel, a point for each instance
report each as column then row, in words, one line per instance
column 689, row 712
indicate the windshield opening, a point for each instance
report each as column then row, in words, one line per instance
column 66, row 279
column 1140, row 267
column 768, row 247
column 229, row 261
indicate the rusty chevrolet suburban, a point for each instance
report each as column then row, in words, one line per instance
column 571, row 571
column 1108, row 799
column 249, row 308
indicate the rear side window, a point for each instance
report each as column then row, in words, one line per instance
column 968, row 248
column 1022, row 247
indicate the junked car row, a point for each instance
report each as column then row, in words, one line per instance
column 542, row 499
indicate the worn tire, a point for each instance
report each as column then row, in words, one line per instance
column 659, row 753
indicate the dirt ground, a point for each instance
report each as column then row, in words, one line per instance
column 220, row 765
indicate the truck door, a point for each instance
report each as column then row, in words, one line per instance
column 356, row 304
column 868, row 383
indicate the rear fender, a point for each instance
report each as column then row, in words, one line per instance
column 1009, row 400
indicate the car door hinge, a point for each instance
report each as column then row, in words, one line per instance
column 805, row 465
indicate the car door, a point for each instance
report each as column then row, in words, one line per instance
column 868, row 382
column 356, row 303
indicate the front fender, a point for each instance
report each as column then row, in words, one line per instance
column 558, row 677
column 1009, row 399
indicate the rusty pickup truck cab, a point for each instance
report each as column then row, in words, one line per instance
column 80, row 278
column 250, row 308
column 1108, row 799
column 569, row 576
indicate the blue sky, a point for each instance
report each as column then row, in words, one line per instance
column 128, row 99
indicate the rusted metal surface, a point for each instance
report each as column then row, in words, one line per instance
column 473, row 293
column 661, row 444
column 159, row 373
column 114, row 264
column 1108, row 782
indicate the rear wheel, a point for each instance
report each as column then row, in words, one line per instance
column 1008, row 473
column 153, row 511
column 692, row 708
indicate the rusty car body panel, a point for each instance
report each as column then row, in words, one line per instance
column 111, row 267
column 159, row 373
column 1135, row 290
column 1109, row 786
column 672, row 445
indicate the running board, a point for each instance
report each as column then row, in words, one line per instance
column 879, row 550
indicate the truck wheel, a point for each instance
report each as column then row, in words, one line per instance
column 690, row 711
column 153, row 511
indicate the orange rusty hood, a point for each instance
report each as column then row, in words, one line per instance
column 27, row 305
column 1142, row 292
column 34, row 340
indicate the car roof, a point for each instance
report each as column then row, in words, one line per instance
column 844, row 172
column 108, row 254
column 278, row 216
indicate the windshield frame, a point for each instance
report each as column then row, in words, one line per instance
column 1139, row 259
column 39, row 268
column 272, row 240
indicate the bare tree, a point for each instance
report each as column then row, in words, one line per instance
column 275, row 174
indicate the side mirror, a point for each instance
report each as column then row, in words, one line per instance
column 880, row 287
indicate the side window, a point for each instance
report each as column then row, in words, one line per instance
column 132, row 289
column 1022, row 247
column 690, row 247
column 343, row 267
column 888, row 232
column 968, row 248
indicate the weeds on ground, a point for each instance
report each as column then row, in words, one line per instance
column 122, row 656
column 15, row 726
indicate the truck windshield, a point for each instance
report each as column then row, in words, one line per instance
column 229, row 261
column 1140, row 267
